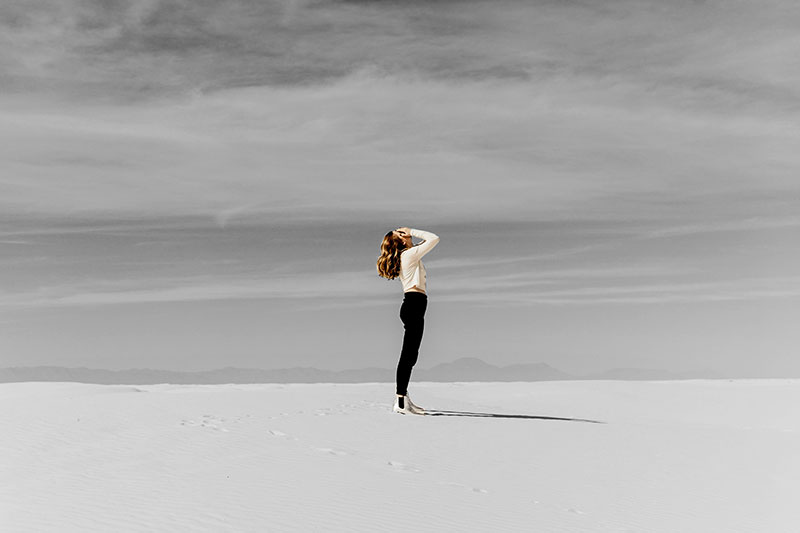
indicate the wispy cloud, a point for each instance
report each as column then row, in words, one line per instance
column 755, row 289
column 579, row 286
column 184, row 289
column 307, row 152
column 748, row 224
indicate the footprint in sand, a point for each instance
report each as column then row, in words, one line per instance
column 473, row 489
column 207, row 421
column 555, row 506
column 403, row 467
column 203, row 425
column 213, row 422
column 331, row 451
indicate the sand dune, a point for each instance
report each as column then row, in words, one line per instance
column 669, row 456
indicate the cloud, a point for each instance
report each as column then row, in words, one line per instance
column 318, row 110
column 754, row 289
column 185, row 288
column 688, row 54
column 571, row 285
column 346, row 147
column 748, row 224
column 640, row 121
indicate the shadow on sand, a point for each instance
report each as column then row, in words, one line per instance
column 439, row 412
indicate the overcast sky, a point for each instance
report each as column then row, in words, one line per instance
column 198, row 184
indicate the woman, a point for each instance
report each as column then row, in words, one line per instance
column 400, row 259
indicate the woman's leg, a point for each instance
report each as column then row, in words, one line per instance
column 412, row 313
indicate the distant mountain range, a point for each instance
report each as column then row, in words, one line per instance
column 464, row 369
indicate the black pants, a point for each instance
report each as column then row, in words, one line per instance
column 412, row 313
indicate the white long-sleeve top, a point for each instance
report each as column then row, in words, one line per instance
column 412, row 271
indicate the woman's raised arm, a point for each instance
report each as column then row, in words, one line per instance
column 430, row 241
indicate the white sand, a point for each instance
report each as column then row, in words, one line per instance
column 687, row 456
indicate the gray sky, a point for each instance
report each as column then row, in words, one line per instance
column 192, row 185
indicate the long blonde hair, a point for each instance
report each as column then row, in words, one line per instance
column 389, row 260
